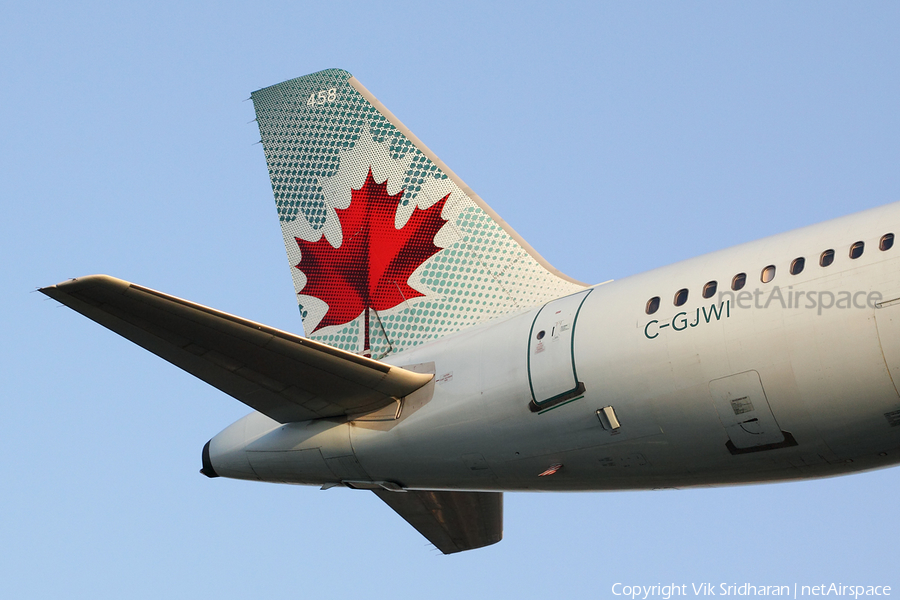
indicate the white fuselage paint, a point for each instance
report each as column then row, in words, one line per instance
column 751, row 393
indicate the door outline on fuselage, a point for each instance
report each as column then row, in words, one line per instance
column 575, row 300
column 887, row 323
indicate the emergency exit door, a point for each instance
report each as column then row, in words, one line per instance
column 552, row 376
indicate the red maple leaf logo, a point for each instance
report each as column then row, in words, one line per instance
column 372, row 266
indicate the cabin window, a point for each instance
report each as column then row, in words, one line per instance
column 738, row 282
column 797, row 265
column 709, row 289
column 768, row 274
column 856, row 249
column 887, row 240
column 827, row 258
column 652, row 305
column 681, row 296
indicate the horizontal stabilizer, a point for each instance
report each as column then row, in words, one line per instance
column 284, row 376
column 452, row 521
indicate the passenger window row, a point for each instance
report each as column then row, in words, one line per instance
column 768, row 273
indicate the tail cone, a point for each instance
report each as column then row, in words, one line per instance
column 207, row 463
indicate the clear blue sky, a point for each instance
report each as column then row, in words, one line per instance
column 615, row 137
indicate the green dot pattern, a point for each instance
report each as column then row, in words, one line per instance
column 482, row 274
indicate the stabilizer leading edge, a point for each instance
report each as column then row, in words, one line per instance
column 387, row 247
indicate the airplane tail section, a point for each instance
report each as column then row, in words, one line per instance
column 387, row 247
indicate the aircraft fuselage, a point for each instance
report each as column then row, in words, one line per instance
column 783, row 379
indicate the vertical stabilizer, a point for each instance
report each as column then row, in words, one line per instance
column 387, row 247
